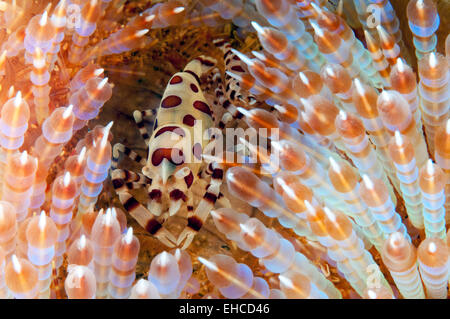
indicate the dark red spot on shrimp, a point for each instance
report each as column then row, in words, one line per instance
column 176, row 194
column 176, row 79
column 174, row 129
column 127, row 151
column 202, row 107
column 171, row 101
column 189, row 179
column 153, row 226
column 237, row 68
column 173, row 155
column 131, row 204
column 217, row 173
column 194, row 88
column 118, row 183
column 210, row 197
column 155, row 194
column 195, row 223
column 189, row 120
